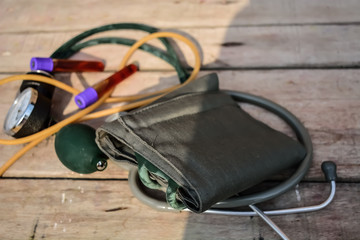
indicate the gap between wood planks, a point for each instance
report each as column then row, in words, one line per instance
column 256, row 68
column 78, row 206
column 125, row 180
column 178, row 13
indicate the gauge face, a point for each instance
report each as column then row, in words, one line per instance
column 20, row 111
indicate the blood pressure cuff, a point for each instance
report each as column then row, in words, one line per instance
column 200, row 142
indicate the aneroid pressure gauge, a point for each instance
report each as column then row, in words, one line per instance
column 30, row 111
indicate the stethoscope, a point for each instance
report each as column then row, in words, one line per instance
column 32, row 105
column 328, row 168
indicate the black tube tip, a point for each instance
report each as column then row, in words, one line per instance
column 329, row 170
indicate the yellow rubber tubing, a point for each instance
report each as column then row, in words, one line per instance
column 83, row 114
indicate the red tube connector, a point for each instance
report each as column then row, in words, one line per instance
column 64, row 65
column 93, row 93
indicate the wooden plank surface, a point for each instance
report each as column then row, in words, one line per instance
column 43, row 15
column 68, row 209
column 222, row 47
column 300, row 54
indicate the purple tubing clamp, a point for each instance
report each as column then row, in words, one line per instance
column 39, row 63
column 86, row 98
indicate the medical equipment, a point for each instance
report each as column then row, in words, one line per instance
column 30, row 111
column 199, row 138
column 72, row 46
column 137, row 126
column 157, row 201
column 77, row 150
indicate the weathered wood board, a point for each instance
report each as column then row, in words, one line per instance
column 333, row 46
column 69, row 15
column 76, row 209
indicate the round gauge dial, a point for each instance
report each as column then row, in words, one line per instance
column 20, row 111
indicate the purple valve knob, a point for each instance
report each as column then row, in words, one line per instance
column 39, row 63
column 86, row 98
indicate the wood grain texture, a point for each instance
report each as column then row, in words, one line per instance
column 67, row 209
column 42, row 15
column 333, row 46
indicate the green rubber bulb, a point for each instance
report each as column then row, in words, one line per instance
column 76, row 148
